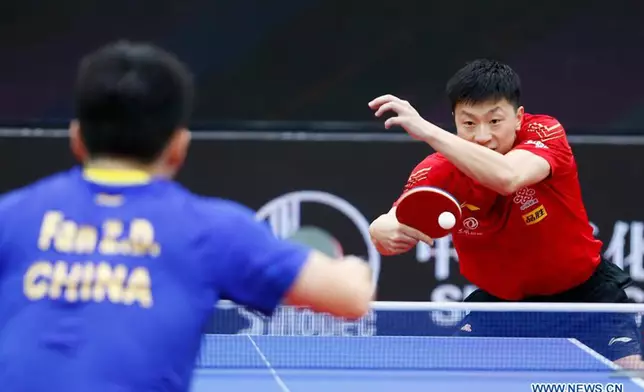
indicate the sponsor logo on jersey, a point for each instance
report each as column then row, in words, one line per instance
column 536, row 143
column 525, row 197
column 416, row 178
column 545, row 132
column 470, row 223
column 535, row 216
column 470, row 207
column 623, row 339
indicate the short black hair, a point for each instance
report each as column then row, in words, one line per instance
column 484, row 80
column 130, row 98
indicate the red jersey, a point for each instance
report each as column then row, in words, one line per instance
column 537, row 241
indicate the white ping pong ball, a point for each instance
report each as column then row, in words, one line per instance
column 446, row 220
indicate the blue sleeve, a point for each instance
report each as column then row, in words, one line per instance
column 258, row 269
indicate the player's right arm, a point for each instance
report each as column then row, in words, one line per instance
column 342, row 287
column 261, row 271
column 389, row 236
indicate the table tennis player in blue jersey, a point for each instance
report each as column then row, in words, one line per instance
column 108, row 271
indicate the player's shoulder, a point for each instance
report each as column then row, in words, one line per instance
column 43, row 187
column 535, row 120
column 434, row 166
column 222, row 212
column 541, row 127
column 435, row 162
column 12, row 199
column 433, row 159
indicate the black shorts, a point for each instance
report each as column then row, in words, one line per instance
column 613, row 335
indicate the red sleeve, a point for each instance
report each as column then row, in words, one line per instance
column 545, row 136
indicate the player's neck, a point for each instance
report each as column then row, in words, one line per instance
column 121, row 165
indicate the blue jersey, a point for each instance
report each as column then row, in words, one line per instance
column 108, row 277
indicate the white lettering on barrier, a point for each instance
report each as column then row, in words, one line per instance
column 255, row 323
column 616, row 249
column 442, row 252
column 449, row 292
column 304, row 322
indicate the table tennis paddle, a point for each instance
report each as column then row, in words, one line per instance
column 432, row 211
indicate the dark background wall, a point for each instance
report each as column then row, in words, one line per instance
column 312, row 60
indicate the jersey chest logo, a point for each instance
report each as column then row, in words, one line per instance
column 469, row 224
column 526, row 199
column 535, row 216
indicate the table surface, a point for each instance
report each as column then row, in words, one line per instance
column 244, row 363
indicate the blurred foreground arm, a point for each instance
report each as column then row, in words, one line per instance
column 342, row 287
column 260, row 271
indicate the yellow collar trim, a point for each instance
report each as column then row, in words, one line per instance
column 117, row 176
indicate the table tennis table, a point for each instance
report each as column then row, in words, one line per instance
column 244, row 363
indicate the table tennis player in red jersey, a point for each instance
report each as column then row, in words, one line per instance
column 524, row 234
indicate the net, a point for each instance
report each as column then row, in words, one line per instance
column 427, row 336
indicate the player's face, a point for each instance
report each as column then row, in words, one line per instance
column 491, row 124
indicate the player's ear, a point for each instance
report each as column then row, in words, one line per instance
column 76, row 143
column 519, row 117
column 178, row 148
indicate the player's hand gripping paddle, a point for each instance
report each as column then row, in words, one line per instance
column 430, row 210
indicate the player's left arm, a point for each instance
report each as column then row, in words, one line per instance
column 547, row 143
column 504, row 174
